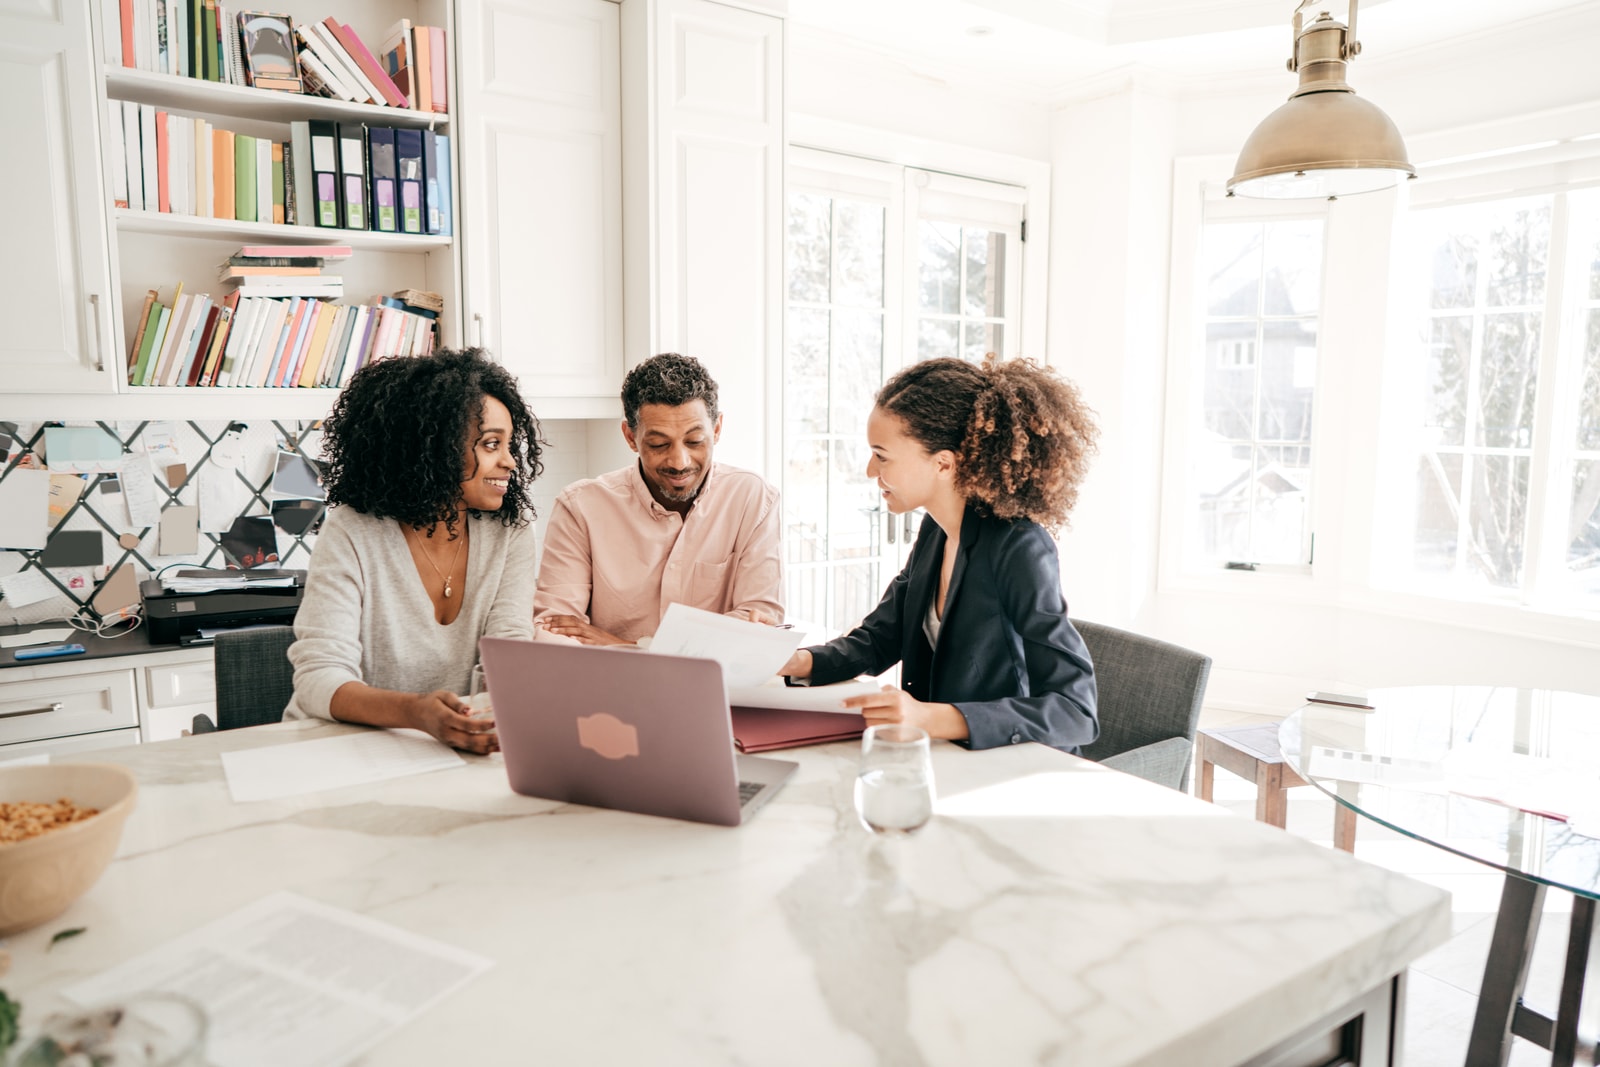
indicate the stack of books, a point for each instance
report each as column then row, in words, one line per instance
column 270, row 341
column 342, row 175
column 283, row 270
column 204, row 39
column 408, row 71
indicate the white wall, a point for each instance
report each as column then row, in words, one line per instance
column 831, row 79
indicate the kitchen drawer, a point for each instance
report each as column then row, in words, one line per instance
column 170, row 685
column 68, row 704
column 62, row 746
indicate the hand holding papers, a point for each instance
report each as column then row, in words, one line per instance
column 774, row 694
column 749, row 652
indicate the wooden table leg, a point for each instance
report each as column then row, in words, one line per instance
column 1344, row 827
column 1272, row 798
column 1208, row 774
column 1506, row 972
column 1578, row 1016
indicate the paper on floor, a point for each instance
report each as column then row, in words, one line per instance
column 292, row 980
column 332, row 763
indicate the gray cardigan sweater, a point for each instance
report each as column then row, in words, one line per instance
column 367, row 618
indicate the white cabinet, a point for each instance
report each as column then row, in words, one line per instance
column 66, row 706
column 540, row 120
column 54, row 270
column 82, row 266
column 703, row 107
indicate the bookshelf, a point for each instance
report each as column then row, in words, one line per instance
column 158, row 250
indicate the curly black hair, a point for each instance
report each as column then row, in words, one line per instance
column 668, row 379
column 1022, row 436
column 398, row 440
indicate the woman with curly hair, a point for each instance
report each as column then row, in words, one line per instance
column 995, row 453
column 426, row 549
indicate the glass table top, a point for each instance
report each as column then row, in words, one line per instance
column 1447, row 764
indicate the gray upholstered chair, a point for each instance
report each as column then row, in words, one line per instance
column 254, row 678
column 1150, row 694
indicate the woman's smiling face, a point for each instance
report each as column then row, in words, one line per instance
column 490, row 465
column 907, row 474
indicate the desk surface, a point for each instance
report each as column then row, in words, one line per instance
column 136, row 643
column 1407, row 763
column 1053, row 911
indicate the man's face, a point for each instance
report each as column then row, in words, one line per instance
column 674, row 446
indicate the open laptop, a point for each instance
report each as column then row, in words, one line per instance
column 634, row 731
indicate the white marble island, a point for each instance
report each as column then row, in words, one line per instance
column 1053, row 912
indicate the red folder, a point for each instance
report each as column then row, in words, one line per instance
column 764, row 729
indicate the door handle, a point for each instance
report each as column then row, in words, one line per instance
column 477, row 318
column 99, row 342
column 905, row 532
column 892, row 524
column 57, row 706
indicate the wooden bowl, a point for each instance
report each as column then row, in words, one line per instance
column 42, row 876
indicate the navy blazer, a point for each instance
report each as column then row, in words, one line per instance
column 1008, row 657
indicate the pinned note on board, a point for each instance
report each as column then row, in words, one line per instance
column 180, row 531
column 65, row 489
column 81, row 450
column 24, row 508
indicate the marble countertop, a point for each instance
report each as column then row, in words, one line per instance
column 1052, row 912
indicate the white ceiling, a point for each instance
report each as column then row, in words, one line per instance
column 1049, row 48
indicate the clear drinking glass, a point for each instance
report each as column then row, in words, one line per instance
column 144, row 1030
column 894, row 786
column 478, row 695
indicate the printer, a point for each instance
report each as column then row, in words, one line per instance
column 189, row 609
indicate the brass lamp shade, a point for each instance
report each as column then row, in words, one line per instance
column 1326, row 141
column 1321, row 144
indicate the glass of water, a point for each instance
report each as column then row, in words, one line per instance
column 478, row 703
column 894, row 786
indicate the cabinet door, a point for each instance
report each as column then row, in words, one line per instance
column 714, row 242
column 539, row 119
column 55, row 263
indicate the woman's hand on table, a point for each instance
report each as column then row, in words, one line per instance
column 446, row 716
column 896, row 705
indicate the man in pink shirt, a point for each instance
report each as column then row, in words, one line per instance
column 672, row 528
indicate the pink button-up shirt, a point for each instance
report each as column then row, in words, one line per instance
column 615, row 557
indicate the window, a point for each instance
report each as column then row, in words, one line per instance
column 1505, row 408
column 1250, row 455
column 885, row 265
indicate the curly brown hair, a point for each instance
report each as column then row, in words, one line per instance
column 397, row 440
column 1022, row 435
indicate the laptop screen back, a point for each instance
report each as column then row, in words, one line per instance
column 614, row 729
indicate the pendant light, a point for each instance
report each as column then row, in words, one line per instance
column 1326, row 141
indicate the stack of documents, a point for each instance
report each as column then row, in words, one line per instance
column 198, row 580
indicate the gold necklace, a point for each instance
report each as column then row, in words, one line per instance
column 453, row 559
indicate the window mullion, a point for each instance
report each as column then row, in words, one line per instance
column 1548, row 472
column 1472, row 417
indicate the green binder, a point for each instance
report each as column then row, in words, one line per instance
column 244, row 178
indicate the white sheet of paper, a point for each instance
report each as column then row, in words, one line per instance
column 139, row 490
column 749, row 652
column 223, row 498
column 25, row 508
column 292, row 980
column 333, row 762
column 161, row 444
column 28, row 587
column 774, row 694
column 36, row 637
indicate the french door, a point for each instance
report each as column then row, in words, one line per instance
column 886, row 265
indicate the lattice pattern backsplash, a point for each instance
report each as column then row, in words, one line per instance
column 251, row 458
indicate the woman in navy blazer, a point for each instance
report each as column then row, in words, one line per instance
column 995, row 453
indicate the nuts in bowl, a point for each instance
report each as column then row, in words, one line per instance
column 59, row 828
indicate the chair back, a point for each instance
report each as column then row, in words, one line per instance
column 254, row 677
column 1149, row 690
